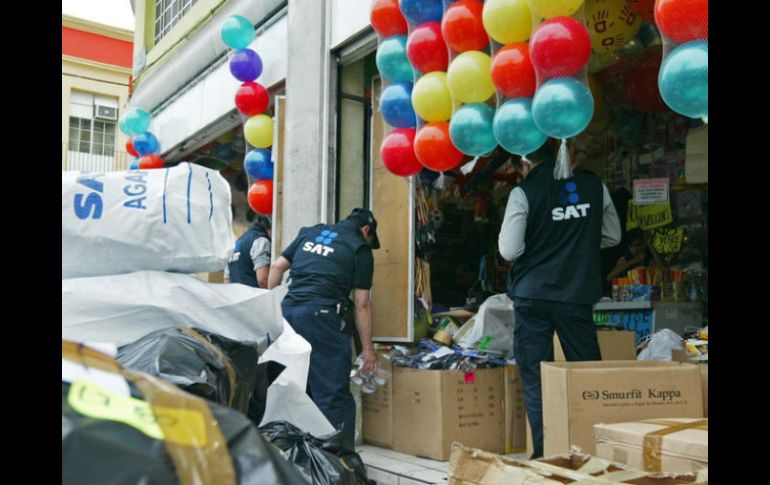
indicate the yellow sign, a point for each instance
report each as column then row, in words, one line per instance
column 668, row 241
column 648, row 216
column 183, row 426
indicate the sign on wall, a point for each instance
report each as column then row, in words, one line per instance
column 651, row 191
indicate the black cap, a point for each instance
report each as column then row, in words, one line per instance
column 365, row 216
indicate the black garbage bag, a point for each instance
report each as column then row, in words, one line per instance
column 208, row 365
column 327, row 460
column 159, row 435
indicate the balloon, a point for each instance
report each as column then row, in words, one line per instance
column 512, row 71
column 640, row 85
column 684, row 79
column 258, row 131
column 134, row 164
column 599, row 62
column 237, row 32
column 471, row 129
column 150, row 161
column 611, row 24
column 562, row 107
column 226, row 137
column 123, row 126
column 251, row 99
column 683, row 20
column 386, row 18
column 469, row 77
column 425, row 48
column 515, row 129
column 130, row 147
column 396, row 106
column 145, row 143
column 392, row 61
column 431, row 98
column 245, row 65
column 258, row 165
column 560, row 47
column 463, row 28
column 434, row 149
column 546, row 9
column 507, row 21
column 601, row 116
column 135, row 121
column 225, row 152
column 420, row 11
column 397, row 153
column 643, row 8
column 261, row 197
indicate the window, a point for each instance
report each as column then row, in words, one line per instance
column 168, row 13
column 92, row 136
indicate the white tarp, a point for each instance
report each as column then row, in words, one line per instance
column 175, row 219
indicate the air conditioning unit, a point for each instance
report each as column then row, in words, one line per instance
column 105, row 113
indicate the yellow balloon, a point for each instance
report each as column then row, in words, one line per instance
column 507, row 21
column 431, row 99
column 611, row 23
column 227, row 137
column 258, row 131
column 545, row 9
column 469, row 77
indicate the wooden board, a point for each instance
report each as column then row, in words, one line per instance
column 280, row 119
column 391, row 198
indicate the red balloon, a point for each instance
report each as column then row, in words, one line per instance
column 397, row 153
column 641, row 82
column 130, row 147
column 560, row 47
column 434, row 149
column 644, row 8
column 261, row 197
column 426, row 49
column 513, row 72
column 251, row 99
column 150, row 161
column 683, row 20
column 462, row 26
column 386, row 18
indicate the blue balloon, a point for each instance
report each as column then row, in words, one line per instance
column 134, row 164
column 396, row 106
column 223, row 151
column 391, row 60
column 515, row 128
column 684, row 79
column 471, row 129
column 135, row 121
column 145, row 143
column 123, row 126
column 237, row 32
column 245, row 65
column 562, row 107
column 419, row 11
column 258, row 165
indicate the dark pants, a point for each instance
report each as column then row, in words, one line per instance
column 330, row 361
column 536, row 321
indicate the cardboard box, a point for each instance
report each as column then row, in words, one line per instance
column 434, row 408
column 378, row 409
column 613, row 344
column 476, row 467
column 578, row 395
column 656, row 445
column 515, row 413
column 681, row 356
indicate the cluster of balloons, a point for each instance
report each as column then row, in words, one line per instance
column 251, row 100
column 141, row 144
column 683, row 77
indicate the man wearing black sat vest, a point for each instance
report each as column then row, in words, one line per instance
column 554, row 226
column 327, row 262
column 250, row 262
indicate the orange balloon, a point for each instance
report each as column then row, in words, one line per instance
column 513, row 72
column 463, row 28
column 683, row 20
column 644, row 8
column 261, row 197
column 386, row 18
column 150, row 161
column 434, row 147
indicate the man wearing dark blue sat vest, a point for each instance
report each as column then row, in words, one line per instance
column 250, row 262
column 327, row 262
column 555, row 223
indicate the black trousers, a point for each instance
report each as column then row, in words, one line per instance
column 536, row 320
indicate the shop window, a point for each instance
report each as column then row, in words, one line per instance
column 168, row 13
column 92, row 136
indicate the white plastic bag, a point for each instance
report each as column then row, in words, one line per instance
column 175, row 219
column 661, row 344
column 123, row 308
column 494, row 320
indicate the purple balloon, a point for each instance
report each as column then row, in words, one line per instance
column 245, row 65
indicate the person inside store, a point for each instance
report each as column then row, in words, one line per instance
column 327, row 262
column 553, row 231
column 639, row 251
column 250, row 263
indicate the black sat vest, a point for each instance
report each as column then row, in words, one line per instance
column 561, row 259
column 241, row 266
